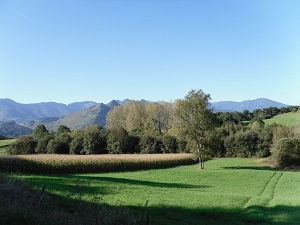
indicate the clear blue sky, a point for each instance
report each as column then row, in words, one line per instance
column 68, row 50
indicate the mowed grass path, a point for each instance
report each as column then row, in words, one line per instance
column 227, row 191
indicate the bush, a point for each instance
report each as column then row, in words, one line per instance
column 59, row 145
column 39, row 131
column 24, row 145
column 94, row 140
column 169, row 144
column 76, row 145
column 42, row 143
column 150, row 144
column 288, row 152
column 118, row 141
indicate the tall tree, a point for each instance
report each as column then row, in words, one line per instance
column 39, row 131
column 196, row 121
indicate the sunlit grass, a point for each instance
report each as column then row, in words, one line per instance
column 289, row 119
column 228, row 191
column 4, row 145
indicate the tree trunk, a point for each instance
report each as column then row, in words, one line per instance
column 201, row 161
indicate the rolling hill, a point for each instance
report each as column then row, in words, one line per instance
column 20, row 113
column 77, row 120
column 288, row 119
column 12, row 129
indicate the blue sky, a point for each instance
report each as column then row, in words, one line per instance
column 67, row 51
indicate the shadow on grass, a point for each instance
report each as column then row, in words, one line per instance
column 252, row 168
column 143, row 182
column 279, row 215
column 167, row 214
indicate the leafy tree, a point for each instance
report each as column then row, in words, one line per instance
column 94, row 140
column 60, row 144
column 288, row 152
column 116, row 117
column 281, row 132
column 23, row 145
column 62, row 129
column 76, row 145
column 118, row 141
column 196, row 121
column 169, row 144
column 42, row 144
column 150, row 144
column 39, row 131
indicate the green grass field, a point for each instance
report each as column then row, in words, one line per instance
column 228, row 191
column 289, row 119
column 4, row 145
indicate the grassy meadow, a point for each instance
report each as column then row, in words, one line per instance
column 289, row 119
column 227, row 191
column 4, row 145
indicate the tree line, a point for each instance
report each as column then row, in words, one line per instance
column 186, row 125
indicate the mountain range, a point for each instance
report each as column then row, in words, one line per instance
column 250, row 105
column 78, row 115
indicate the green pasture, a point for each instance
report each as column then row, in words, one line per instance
column 4, row 145
column 289, row 119
column 227, row 191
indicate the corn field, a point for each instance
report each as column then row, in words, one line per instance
column 46, row 164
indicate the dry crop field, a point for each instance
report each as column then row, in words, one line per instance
column 90, row 163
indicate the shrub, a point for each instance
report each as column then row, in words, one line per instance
column 288, row 152
column 150, row 144
column 39, row 131
column 94, row 140
column 42, row 144
column 76, row 145
column 59, row 145
column 169, row 144
column 24, row 145
column 118, row 141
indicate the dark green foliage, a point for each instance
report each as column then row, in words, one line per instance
column 247, row 143
column 76, row 145
column 258, row 122
column 267, row 113
column 150, row 144
column 182, row 146
column 24, row 145
column 39, row 131
column 243, row 144
column 59, row 145
column 169, row 144
column 288, row 152
column 2, row 137
column 118, row 141
column 42, row 143
column 94, row 140
column 134, row 144
column 62, row 129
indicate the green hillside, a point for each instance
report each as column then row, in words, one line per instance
column 289, row 119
